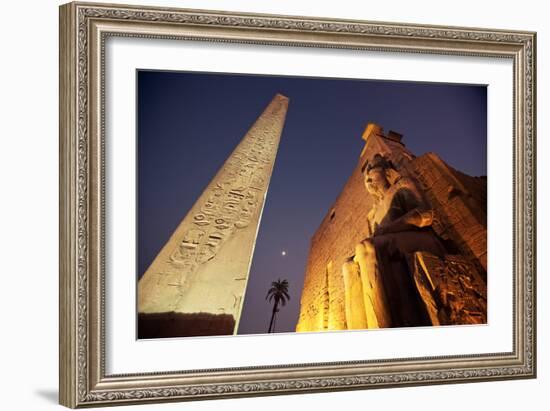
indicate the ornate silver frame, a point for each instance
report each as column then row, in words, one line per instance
column 83, row 30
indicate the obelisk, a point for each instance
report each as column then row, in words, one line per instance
column 196, row 284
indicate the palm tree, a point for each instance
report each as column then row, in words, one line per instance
column 278, row 292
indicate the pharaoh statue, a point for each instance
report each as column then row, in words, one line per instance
column 400, row 225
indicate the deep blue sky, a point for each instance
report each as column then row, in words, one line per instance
column 188, row 123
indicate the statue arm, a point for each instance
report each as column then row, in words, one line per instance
column 417, row 216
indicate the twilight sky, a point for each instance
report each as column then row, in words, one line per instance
column 188, row 123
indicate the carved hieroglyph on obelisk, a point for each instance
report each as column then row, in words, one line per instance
column 202, row 270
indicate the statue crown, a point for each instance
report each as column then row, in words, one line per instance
column 378, row 161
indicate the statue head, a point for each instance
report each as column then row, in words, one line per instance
column 379, row 175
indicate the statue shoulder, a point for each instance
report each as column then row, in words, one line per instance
column 406, row 194
column 405, row 185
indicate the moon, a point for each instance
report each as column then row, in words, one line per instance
column 283, row 253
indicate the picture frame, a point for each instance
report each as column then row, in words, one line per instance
column 84, row 31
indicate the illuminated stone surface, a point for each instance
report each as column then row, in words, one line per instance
column 356, row 314
column 381, row 246
column 202, row 270
column 453, row 289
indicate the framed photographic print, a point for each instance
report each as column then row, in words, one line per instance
column 260, row 204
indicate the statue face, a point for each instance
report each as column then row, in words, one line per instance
column 376, row 182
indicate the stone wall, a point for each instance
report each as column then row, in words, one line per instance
column 340, row 292
column 460, row 201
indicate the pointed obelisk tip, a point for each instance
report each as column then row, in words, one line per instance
column 280, row 96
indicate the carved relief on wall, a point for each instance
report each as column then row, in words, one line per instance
column 453, row 289
column 231, row 202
